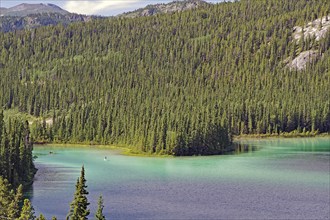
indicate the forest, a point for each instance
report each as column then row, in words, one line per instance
column 14, row 206
column 16, row 162
column 16, row 167
column 17, row 171
column 180, row 83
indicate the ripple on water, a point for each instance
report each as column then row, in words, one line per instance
column 273, row 182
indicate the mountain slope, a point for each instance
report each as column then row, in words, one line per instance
column 2, row 11
column 175, row 6
column 313, row 32
column 27, row 9
column 175, row 83
column 29, row 16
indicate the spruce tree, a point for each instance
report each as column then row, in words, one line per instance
column 14, row 209
column 9, row 200
column 79, row 206
column 5, row 196
column 41, row 217
column 201, row 74
column 99, row 213
column 27, row 211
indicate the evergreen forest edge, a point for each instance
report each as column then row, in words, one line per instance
column 180, row 83
column 203, row 83
column 17, row 171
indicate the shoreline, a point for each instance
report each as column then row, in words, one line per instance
column 123, row 150
column 127, row 151
column 282, row 135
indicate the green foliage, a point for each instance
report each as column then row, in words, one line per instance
column 9, row 200
column 14, row 207
column 41, row 217
column 16, row 162
column 215, row 140
column 160, row 83
column 79, row 206
column 99, row 213
column 27, row 211
column 10, row 203
column 16, row 167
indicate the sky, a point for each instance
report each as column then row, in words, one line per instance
column 95, row 7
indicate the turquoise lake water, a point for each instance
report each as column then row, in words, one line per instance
column 268, row 179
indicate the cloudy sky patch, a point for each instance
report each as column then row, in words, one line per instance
column 93, row 7
column 98, row 7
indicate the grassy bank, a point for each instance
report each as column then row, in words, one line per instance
column 124, row 150
column 281, row 135
column 133, row 151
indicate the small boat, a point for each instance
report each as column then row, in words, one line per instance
column 105, row 158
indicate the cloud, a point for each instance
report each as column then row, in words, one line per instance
column 98, row 7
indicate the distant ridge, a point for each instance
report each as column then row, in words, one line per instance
column 28, row 16
column 25, row 9
column 3, row 10
column 174, row 6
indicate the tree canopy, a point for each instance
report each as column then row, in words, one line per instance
column 168, row 83
column 79, row 206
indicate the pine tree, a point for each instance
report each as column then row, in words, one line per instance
column 201, row 72
column 5, row 196
column 99, row 214
column 27, row 211
column 79, row 206
column 14, row 209
column 9, row 200
column 41, row 217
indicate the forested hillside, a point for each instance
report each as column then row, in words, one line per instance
column 171, row 83
column 175, row 6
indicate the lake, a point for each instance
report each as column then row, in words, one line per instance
column 265, row 179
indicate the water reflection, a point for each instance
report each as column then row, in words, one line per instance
column 240, row 148
column 284, row 145
column 213, row 187
column 28, row 192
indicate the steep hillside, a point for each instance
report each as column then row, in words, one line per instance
column 171, row 7
column 172, row 83
column 307, row 39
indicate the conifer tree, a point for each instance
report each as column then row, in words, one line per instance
column 27, row 211
column 201, row 74
column 14, row 209
column 5, row 196
column 9, row 200
column 41, row 217
column 99, row 213
column 79, row 206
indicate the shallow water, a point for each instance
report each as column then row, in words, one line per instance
column 274, row 178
